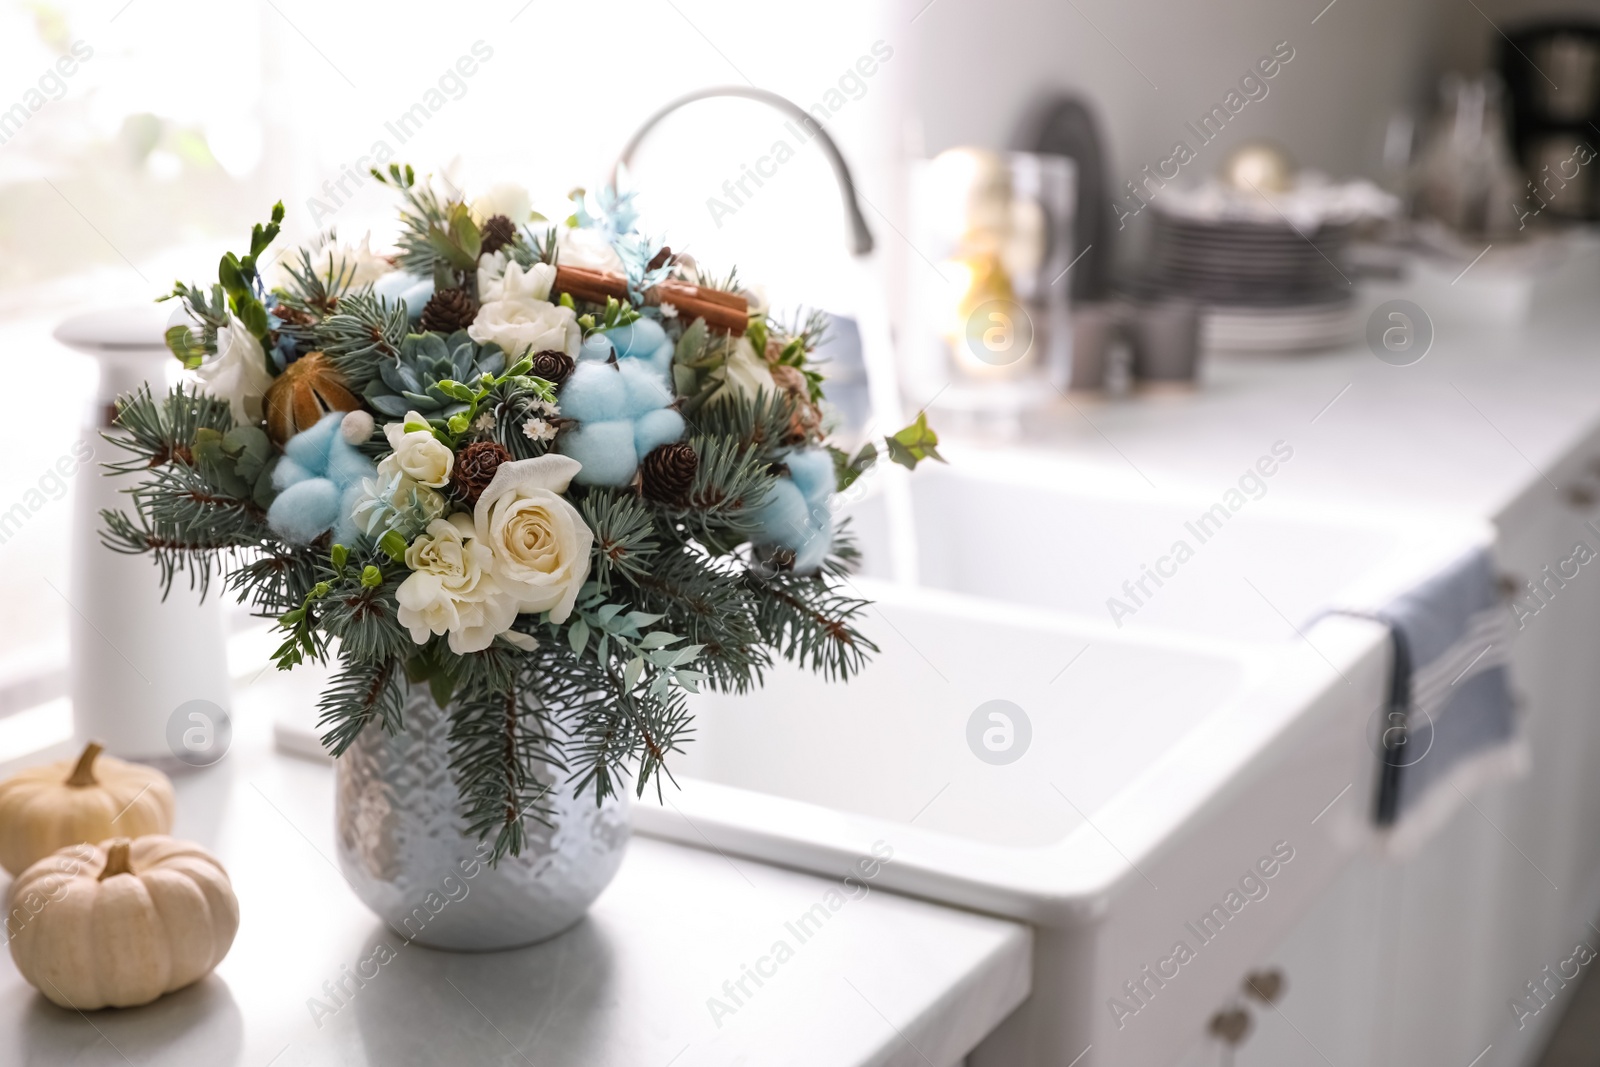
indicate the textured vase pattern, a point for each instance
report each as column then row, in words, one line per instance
column 403, row 849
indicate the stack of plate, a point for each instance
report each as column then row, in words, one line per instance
column 1263, row 285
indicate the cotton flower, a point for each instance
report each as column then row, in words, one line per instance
column 518, row 316
column 237, row 373
column 539, row 542
column 452, row 590
column 417, row 453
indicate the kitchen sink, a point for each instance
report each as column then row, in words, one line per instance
column 1020, row 527
column 1155, row 771
column 1165, row 757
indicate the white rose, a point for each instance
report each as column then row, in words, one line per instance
column 519, row 316
column 506, row 198
column 745, row 373
column 587, row 248
column 237, row 373
column 452, row 590
column 417, row 454
column 539, row 541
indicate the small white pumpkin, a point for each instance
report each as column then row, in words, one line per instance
column 44, row 809
column 121, row 923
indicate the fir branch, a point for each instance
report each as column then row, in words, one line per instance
column 162, row 432
column 364, row 331
column 731, row 480
column 760, row 422
column 358, row 695
column 809, row 622
column 705, row 599
column 623, row 535
column 504, row 760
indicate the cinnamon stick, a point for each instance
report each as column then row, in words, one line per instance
column 724, row 311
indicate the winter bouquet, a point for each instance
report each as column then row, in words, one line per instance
column 547, row 469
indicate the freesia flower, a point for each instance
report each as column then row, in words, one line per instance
column 417, row 453
column 451, row 589
column 518, row 316
column 237, row 373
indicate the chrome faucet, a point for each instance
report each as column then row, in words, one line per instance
column 860, row 236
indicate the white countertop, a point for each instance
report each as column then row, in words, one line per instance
column 1463, row 431
column 889, row 980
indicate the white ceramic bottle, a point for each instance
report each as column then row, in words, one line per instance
column 136, row 659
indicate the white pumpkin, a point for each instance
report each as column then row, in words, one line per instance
column 44, row 809
column 121, row 923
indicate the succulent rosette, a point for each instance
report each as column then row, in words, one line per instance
column 549, row 471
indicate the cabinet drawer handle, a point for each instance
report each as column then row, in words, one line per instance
column 1265, row 985
column 1230, row 1026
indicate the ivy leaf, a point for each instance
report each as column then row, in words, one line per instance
column 915, row 443
column 846, row 470
column 186, row 346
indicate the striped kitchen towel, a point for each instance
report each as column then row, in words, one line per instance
column 1451, row 722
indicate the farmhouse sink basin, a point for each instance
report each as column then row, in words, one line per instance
column 1021, row 526
column 1161, row 769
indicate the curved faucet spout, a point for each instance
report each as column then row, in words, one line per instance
column 860, row 236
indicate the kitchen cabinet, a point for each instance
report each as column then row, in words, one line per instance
column 1417, row 961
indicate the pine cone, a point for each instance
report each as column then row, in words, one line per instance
column 663, row 258
column 553, row 365
column 474, row 469
column 498, row 232
column 449, row 310
column 667, row 473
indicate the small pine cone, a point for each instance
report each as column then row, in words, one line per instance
column 663, row 258
column 449, row 310
column 553, row 365
column 498, row 232
column 474, row 469
column 667, row 473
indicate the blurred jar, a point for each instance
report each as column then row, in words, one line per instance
column 990, row 327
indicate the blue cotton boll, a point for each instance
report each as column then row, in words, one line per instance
column 645, row 389
column 656, row 428
column 392, row 286
column 417, row 298
column 596, row 348
column 808, row 556
column 637, row 340
column 347, row 466
column 309, row 448
column 304, row 510
column 594, row 393
column 605, row 449
column 661, row 359
column 812, row 471
column 288, row 472
column 346, row 531
column 784, row 517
